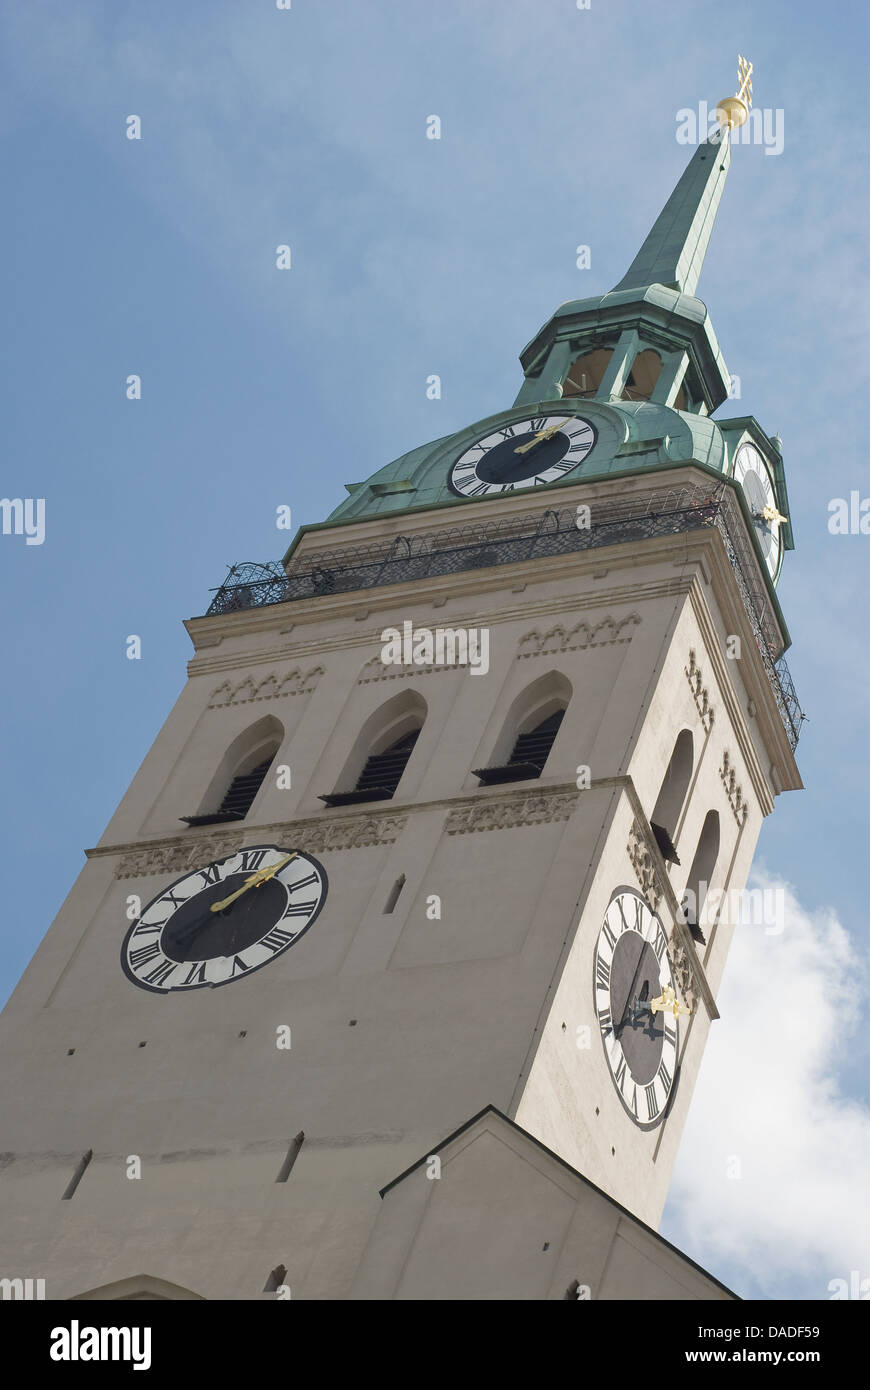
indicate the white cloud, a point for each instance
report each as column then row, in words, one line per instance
column 770, row 1094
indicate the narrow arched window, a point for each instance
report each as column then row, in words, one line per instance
column 666, row 812
column 529, row 754
column 240, row 775
column 698, row 882
column 381, row 752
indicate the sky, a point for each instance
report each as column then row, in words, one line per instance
column 263, row 388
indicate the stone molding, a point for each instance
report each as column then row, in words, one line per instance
column 506, row 813
column 736, row 800
column 606, row 633
column 313, row 836
column 700, row 694
column 271, row 687
column 644, row 865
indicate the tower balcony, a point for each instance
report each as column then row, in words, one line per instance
column 532, row 537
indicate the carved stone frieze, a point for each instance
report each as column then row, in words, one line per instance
column 644, row 865
column 271, row 687
column 736, row 800
column 608, row 632
column 506, row 813
column 314, row 836
column 684, row 972
column 375, row 670
column 699, row 691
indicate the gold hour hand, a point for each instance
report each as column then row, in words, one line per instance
column 261, row 876
column 540, row 435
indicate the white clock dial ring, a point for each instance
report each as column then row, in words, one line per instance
column 525, row 453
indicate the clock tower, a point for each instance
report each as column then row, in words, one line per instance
column 392, row 973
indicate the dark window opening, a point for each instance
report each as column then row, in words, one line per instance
column 239, row 797
column 529, row 755
column 381, row 775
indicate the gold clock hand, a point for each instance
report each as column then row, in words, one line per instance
column 540, row 434
column 669, row 1003
column 261, row 876
column 770, row 513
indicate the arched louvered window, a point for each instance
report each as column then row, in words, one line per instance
column 381, row 774
column 238, row 797
column 666, row 812
column 698, row 882
column 528, row 755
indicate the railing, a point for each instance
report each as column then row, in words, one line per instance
column 529, row 537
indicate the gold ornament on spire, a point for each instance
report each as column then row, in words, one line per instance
column 734, row 111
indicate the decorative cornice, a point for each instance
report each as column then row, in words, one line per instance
column 734, row 792
column 608, row 632
column 375, row 670
column 180, row 852
column 699, row 691
column 339, row 831
column 505, row 813
column 644, row 865
column 271, row 687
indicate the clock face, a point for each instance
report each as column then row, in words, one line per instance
column 641, row 1043
column 751, row 472
column 224, row 921
column 530, row 453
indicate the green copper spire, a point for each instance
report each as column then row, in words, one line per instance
column 674, row 251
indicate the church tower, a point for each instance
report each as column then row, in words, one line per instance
column 392, row 973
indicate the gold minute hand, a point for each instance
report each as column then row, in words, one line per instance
column 261, row 876
column 540, row 434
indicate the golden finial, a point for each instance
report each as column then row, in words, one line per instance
column 733, row 111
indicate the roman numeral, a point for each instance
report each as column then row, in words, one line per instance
column 464, row 468
column 197, row 974
column 507, row 432
column 602, row 974
column 300, row 909
column 143, row 954
column 562, row 466
column 252, row 859
column 143, row 928
column 302, row 882
column 479, row 490
column 239, row 967
column 660, row 945
column 176, row 902
column 160, row 974
column 652, row 1100
column 610, row 936
column 581, row 429
column 534, row 425
column 211, row 875
column 619, row 1074
column 276, row 940
column 665, row 1077
column 634, row 1103
column 671, row 1036
column 619, row 904
column 605, row 1020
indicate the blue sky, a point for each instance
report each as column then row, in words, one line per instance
column 411, row 257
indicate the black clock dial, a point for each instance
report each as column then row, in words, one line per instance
column 220, row 923
column 639, row 1029
column 529, row 453
column 195, row 932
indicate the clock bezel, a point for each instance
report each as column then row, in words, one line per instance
column 648, row 1125
column 523, row 485
column 252, row 970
